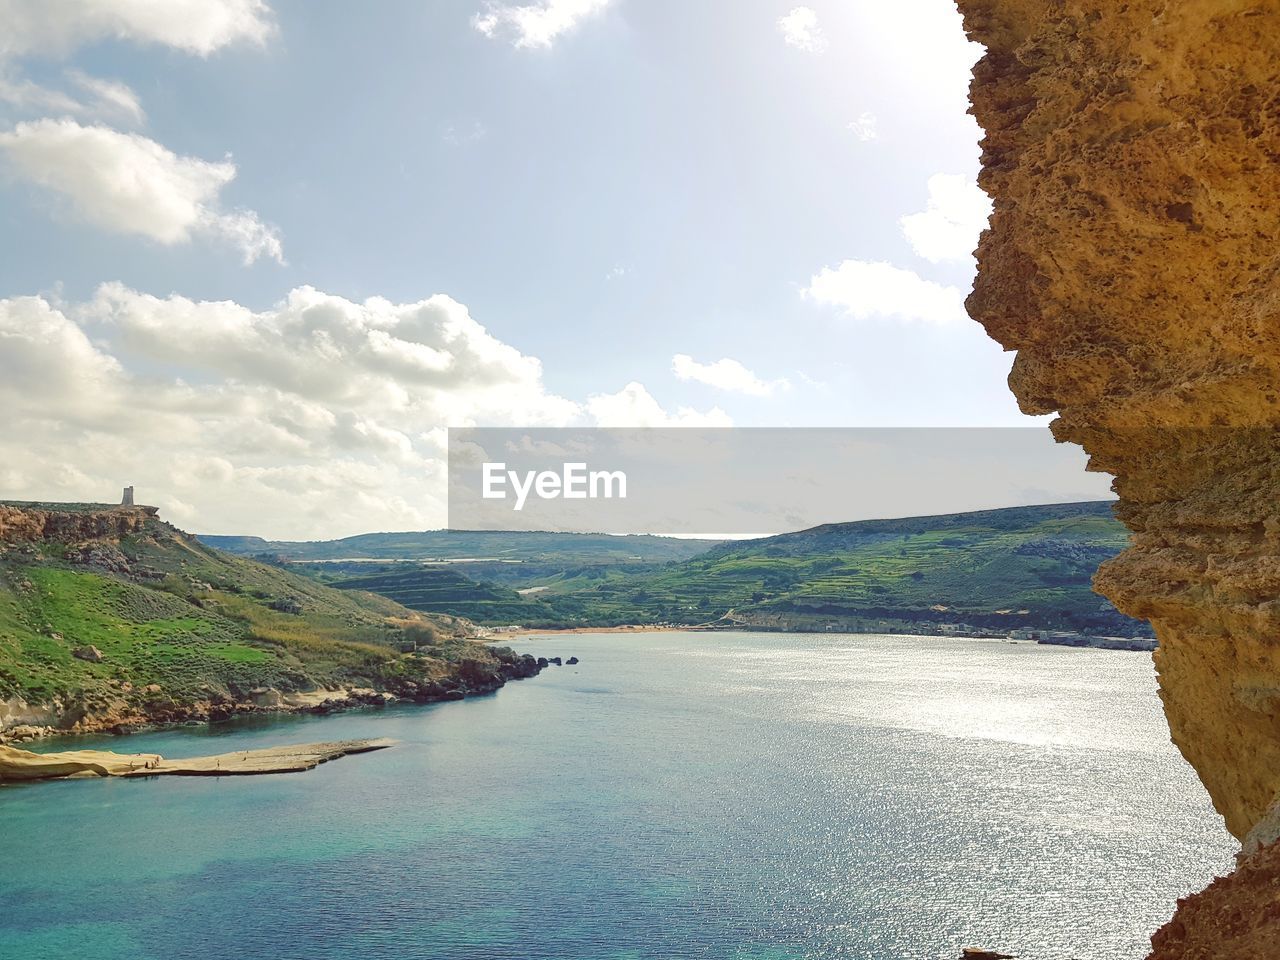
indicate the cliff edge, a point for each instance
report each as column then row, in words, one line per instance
column 1131, row 151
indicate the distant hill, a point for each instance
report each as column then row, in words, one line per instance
column 999, row 570
column 994, row 570
column 554, row 548
column 110, row 617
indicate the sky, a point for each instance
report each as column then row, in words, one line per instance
column 259, row 256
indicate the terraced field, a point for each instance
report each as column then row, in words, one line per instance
column 438, row 589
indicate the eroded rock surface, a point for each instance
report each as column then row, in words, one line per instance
column 21, row 765
column 1132, row 151
column 30, row 523
column 1234, row 918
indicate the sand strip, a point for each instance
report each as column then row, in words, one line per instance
column 18, row 764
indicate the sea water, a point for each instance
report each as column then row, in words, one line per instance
column 713, row 795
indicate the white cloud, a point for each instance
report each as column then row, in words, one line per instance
column 57, row 27
column 801, row 30
column 318, row 416
column 375, row 356
column 634, row 406
column 866, row 289
column 123, row 183
column 106, row 99
column 949, row 227
column 537, row 24
column 727, row 374
column 31, row 97
column 109, row 98
column 865, row 127
column 126, row 183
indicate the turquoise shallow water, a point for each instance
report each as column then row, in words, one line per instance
column 747, row 796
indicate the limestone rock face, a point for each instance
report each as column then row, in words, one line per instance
column 27, row 523
column 1133, row 262
column 1234, row 918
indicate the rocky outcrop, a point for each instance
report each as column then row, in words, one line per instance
column 29, row 523
column 1234, row 918
column 1131, row 150
column 17, row 764
column 30, row 719
column 125, row 709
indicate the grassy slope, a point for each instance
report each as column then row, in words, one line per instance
column 443, row 590
column 165, row 609
column 1019, row 567
column 1026, row 566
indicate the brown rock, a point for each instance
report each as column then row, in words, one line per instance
column 1234, row 918
column 1131, row 150
column 28, row 523
column 89, row 653
column 1132, row 265
column 16, row 764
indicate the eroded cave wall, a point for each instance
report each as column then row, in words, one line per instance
column 1133, row 153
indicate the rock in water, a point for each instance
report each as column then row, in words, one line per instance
column 16, row 764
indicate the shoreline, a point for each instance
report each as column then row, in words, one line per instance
column 265, row 702
column 271, row 702
column 625, row 628
column 1067, row 639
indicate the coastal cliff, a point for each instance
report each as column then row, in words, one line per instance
column 112, row 620
column 70, row 523
column 1131, row 154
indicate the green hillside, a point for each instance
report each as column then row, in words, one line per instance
column 998, row 569
column 111, row 605
column 439, row 589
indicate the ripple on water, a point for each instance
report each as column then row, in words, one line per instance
column 674, row 795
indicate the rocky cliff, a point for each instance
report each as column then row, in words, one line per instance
column 1131, row 150
column 111, row 619
column 69, row 523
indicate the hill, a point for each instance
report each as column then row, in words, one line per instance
column 111, row 618
column 1020, row 568
column 997, row 570
column 473, row 545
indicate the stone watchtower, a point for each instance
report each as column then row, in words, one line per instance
column 127, row 499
